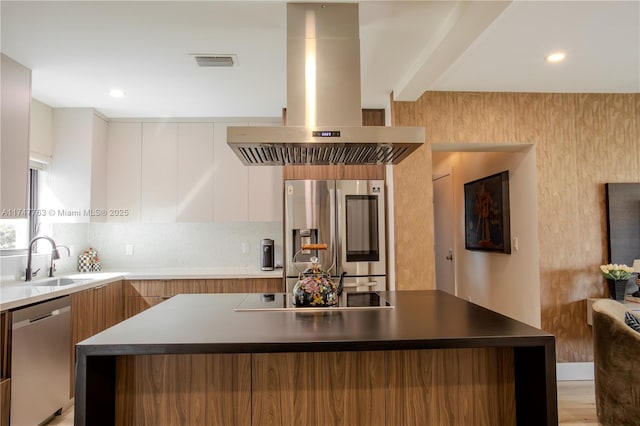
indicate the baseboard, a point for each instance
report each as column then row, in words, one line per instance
column 574, row 371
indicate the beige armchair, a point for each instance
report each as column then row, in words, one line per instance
column 616, row 349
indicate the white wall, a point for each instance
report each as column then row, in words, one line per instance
column 509, row 284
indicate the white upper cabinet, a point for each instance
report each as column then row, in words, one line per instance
column 265, row 192
column 124, row 162
column 78, row 163
column 159, row 185
column 14, row 145
column 195, row 172
column 231, row 179
column 186, row 172
column 99, row 156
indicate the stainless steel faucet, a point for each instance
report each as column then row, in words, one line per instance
column 54, row 255
column 53, row 265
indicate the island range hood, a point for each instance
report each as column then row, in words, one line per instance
column 324, row 112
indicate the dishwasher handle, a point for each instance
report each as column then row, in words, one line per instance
column 24, row 323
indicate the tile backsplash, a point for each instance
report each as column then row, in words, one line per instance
column 172, row 245
column 156, row 245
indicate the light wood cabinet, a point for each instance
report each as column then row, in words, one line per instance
column 159, row 185
column 410, row 387
column 5, row 401
column 14, row 142
column 93, row 311
column 5, row 344
column 142, row 294
column 5, row 382
column 124, row 158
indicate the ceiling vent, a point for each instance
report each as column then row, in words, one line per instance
column 216, row 60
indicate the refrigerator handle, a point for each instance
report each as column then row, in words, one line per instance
column 336, row 232
column 332, row 232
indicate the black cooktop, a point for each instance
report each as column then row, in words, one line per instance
column 284, row 301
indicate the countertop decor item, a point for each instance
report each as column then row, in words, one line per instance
column 314, row 287
column 617, row 277
column 88, row 261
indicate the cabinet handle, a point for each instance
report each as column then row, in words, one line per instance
column 100, row 286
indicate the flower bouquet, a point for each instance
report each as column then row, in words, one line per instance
column 617, row 277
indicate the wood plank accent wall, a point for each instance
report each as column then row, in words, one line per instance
column 582, row 142
column 419, row 387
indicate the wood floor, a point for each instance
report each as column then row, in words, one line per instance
column 576, row 406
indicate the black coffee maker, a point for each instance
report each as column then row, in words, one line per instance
column 266, row 248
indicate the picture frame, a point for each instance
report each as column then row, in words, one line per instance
column 487, row 214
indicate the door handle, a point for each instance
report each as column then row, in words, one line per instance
column 450, row 255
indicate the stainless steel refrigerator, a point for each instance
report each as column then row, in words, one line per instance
column 350, row 217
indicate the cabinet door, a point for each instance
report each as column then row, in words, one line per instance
column 114, row 304
column 231, row 180
column 82, row 325
column 195, row 172
column 5, row 401
column 250, row 285
column 265, row 191
column 135, row 305
column 124, row 157
column 99, row 169
column 70, row 176
column 108, row 302
column 159, row 187
column 14, row 142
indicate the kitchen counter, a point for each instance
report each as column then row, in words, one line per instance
column 15, row 294
column 418, row 321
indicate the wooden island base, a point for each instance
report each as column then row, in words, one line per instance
column 431, row 359
column 412, row 387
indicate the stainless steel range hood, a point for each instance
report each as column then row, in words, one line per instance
column 324, row 113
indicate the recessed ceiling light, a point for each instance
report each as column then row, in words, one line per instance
column 555, row 57
column 116, row 93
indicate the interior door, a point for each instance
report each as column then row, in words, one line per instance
column 443, row 208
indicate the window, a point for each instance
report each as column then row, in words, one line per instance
column 15, row 233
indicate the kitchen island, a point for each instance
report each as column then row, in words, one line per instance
column 431, row 358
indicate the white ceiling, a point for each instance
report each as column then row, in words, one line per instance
column 78, row 50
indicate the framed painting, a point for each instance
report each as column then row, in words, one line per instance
column 486, row 214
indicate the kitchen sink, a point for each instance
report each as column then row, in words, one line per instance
column 57, row 282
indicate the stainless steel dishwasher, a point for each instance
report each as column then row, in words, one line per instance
column 40, row 358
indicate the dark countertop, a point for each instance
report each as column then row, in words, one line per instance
column 208, row 323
